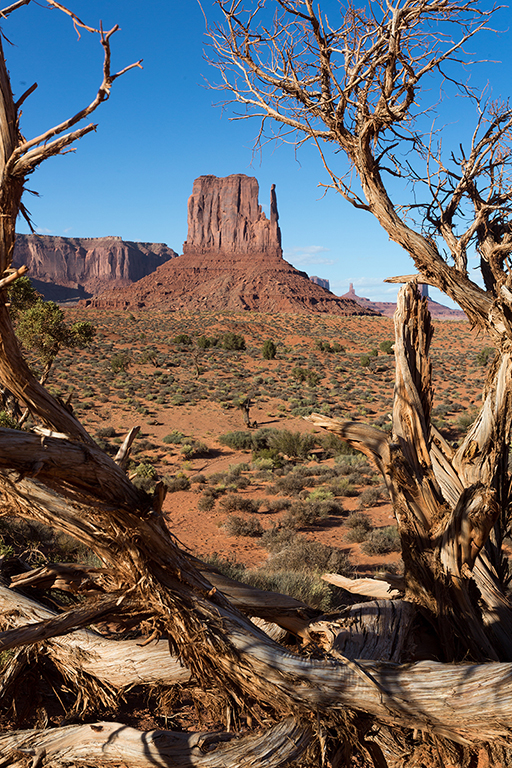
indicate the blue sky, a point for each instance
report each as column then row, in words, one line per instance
column 161, row 129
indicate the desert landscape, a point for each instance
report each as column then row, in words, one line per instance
column 175, row 376
column 246, row 521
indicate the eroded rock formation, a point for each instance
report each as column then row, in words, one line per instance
column 71, row 266
column 232, row 259
column 224, row 216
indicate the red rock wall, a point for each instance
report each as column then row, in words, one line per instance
column 93, row 263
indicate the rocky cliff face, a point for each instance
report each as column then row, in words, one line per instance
column 225, row 217
column 87, row 265
column 232, row 259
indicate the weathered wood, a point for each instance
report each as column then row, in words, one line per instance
column 379, row 630
column 60, row 624
column 105, row 744
column 118, row 664
column 378, row 588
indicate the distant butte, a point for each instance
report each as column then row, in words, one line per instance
column 70, row 268
column 387, row 308
column 232, row 260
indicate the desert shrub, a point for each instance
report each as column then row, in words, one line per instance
column 364, row 361
column 180, row 483
column 34, row 541
column 335, row 446
column 198, row 479
column 242, row 440
column 173, row 437
column 121, row 361
column 106, row 432
column 370, row 497
column 302, row 514
column 345, row 465
column 238, row 481
column 269, row 350
column 206, row 502
column 305, row 374
column 373, row 353
column 359, row 520
column 205, row 342
column 292, row 444
column 465, row 420
column 359, row 526
column 303, row 554
column 183, row 339
column 145, row 470
column 320, row 494
column 290, row 485
column 485, row 355
column 277, row 538
column 143, row 445
column 191, row 448
column 343, row 487
column 238, row 526
column 278, row 505
column 387, row 347
column 357, row 534
column 381, row 541
column 245, row 440
column 232, row 341
column 235, row 503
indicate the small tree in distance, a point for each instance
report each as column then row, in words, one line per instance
column 269, row 350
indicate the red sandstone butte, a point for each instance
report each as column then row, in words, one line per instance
column 232, row 259
column 86, row 265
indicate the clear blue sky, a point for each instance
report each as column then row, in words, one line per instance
column 161, row 129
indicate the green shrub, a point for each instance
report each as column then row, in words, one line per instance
column 387, row 347
column 465, row 420
column 183, row 339
column 289, row 485
column 145, row 470
column 381, row 541
column 364, row 361
column 292, row 444
column 121, row 361
column 357, row 534
column 242, row 440
column 232, row 341
column 205, row 342
column 485, row 355
column 269, row 350
column 173, row 437
column 238, row 526
column 335, row 446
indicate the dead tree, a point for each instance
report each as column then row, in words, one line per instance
column 354, row 694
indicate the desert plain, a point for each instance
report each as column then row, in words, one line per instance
column 241, row 496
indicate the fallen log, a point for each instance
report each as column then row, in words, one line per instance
column 111, row 743
column 117, row 664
